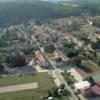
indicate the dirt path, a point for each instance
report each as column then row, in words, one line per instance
column 20, row 87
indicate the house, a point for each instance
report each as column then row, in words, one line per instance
column 82, row 85
column 94, row 91
column 42, row 60
column 59, row 54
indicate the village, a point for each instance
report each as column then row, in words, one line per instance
column 59, row 54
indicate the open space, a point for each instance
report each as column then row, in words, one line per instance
column 44, row 84
column 20, row 87
column 90, row 66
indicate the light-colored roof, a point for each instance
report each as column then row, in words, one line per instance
column 50, row 98
column 76, row 75
column 82, row 85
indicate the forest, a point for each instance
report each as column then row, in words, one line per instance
column 12, row 13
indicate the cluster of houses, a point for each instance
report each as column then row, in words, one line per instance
column 94, row 90
column 87, row 88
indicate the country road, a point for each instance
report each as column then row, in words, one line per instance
column 60, row 79
column 57, row 73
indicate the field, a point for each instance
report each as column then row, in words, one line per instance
column 88, row 29
column 90, row 66
column 44, row 85
column 61, row 20
column 84, row 27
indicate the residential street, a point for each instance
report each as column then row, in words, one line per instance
column 60, row 80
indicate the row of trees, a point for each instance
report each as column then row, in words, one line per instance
column 96, row 45
column 2, row 68
column 58, row 92
column 49, row 48
column 15, row 60
column 69, row 48
column 12, row 60
column 12, row 13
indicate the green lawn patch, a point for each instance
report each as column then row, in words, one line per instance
column 88, row 29
column 45, row 83
column 13, row 80
column 89, row 66
column 61, row 20
column 43, row 79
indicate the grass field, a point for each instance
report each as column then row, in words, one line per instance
column 45, row 83
column 90, row 66
column 88, row 29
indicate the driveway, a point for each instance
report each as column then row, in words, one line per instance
column 20, row 87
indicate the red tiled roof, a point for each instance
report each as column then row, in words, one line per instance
column 96, row 90
column 40, row 57
column 98, row 83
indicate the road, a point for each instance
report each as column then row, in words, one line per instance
column 19, row 87
column 57, row 73
column 58, row 76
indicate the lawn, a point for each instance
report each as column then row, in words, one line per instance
column 45, row 83
column 88, row 29
column 13, row 80
column 43, row 79
column 90, row 66
column 61, row 20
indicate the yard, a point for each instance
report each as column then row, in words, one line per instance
column 45, row 83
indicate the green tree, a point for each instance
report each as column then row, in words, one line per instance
column 49, row 48
column 1, row 68
column 96, row 45
column 15, row 60
column 54, row 92
column 62, row 86
column 77, row 60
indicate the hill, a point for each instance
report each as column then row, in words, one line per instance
column 17, row 12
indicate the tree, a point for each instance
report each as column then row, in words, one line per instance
column 28, row 50
column 96, row 21
column 62, row 86
column 67, row 43
column 77, row 60
column 54, row 92
column 1, row 68
column 70, row 79
column 15, row 60
column 72, row 53
column 96, row 45
column 49, row 48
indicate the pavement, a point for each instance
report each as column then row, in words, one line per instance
column 39, row 69
column 19, row 87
